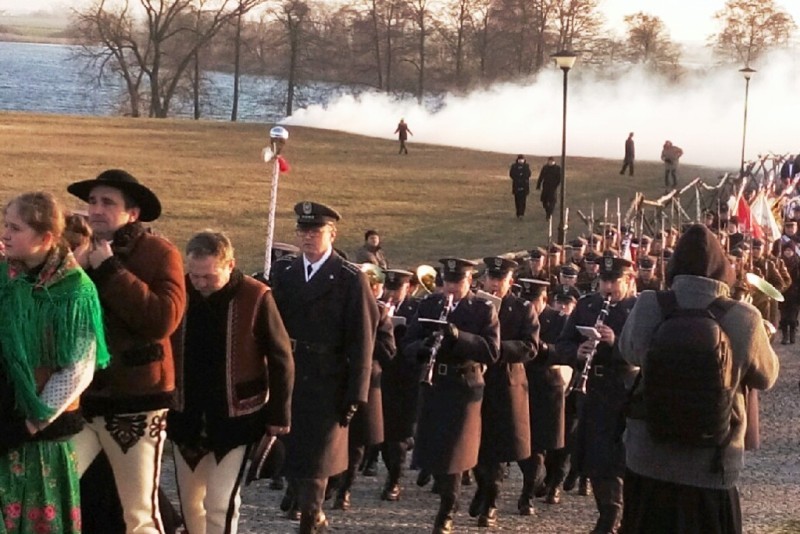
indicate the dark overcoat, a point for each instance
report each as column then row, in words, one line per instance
column 548, row 182
column 400, row 383
column 366, row 428
column 600, row 452
column 547, row 386
column 449, row 430
column 520, row 174
column 332, row 320
column 506, row 432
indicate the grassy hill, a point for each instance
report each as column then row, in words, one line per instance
column 438, row 201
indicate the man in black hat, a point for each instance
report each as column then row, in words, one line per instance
column 400, row 386
column 599, row 453
column 456, row 336
column 139, row 278
column 520, row 174
column 534, row 265
column 589, row 278
column 331, row 316
column 630, row 155
column 236, row 371
column 646, row 278
column 505, row 431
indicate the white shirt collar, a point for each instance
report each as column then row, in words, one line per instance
column 316, row 265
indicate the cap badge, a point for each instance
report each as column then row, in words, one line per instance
column 307, row 208
column 498, row 262
column 451, row 264
column 609, row 263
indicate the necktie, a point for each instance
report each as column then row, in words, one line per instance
column 309, row 270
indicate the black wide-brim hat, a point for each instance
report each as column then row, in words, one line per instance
column 147, row 201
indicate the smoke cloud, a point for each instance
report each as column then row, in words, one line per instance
column 703, row 115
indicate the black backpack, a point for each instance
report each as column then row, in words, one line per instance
column 688, row 376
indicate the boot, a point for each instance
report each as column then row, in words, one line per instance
column 553, row 495
column 444, row 517
column 342, row 501
column 391, row 491
column 466, row 478
column 313, row 524
column 584, row 490
column 784, row 335
column 488, row 518
column 792, row 331
column 476, row 505
column 571, row 480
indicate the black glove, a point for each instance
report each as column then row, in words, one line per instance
column 347, row 414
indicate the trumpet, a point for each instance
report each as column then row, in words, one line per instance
column 426, row 275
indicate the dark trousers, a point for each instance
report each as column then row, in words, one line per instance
column 549, row 205
column 310, row 494
column 789, row 309
column 488, row 478
column 533, row 473
column 608, row 497
column 520, row 200
column 556, row 463
column 394, row 455
column 449, row 487
column 403, row 149
column 670, row 173
column 346, row 479
column 627, row 165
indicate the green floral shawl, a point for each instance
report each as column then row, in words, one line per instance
column 47, row 319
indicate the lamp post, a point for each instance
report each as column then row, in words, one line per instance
column 747, row 72
column 565, row 59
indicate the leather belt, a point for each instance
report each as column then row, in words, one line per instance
column 314, row 348
column 451, row 369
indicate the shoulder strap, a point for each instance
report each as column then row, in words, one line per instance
column 720, row 306
column 667, row 301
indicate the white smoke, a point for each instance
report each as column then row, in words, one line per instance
column 703, row 115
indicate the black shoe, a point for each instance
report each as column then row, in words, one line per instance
column 436, row 487
column 525, row 505
column 310, row 524
column 584, row 489
column 287, row 502
column 540, row 491
column 294, row 514
column 476, row 504
column 277, row 483
column 570, row 481
column 342, row 501
column 443, row 527
column 391, row 492
column 553, row 496
column 423, row 478
column 489, row 518
column 466, row 478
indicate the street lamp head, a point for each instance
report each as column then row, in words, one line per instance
column 747, row 72
column 565, row 59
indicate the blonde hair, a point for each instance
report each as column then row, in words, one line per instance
column 41, row 211
column 210, row 243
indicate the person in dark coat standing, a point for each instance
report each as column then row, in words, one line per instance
column 331, row 316
column 630, row 155
column 402, row 132
column 520, row 174
column 600, row 454
column 399, row 385
column 366, row 428
column 548, row 182
column 457, row 341
column 505, row 432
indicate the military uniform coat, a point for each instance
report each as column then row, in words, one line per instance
column 366, row 428
column 506, row 431
column 332, row 320
column 547, row 386
column 600, row 452
column 400, row 383
column 449, row 430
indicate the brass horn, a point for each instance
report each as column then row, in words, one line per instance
column 427, row 281
column 374, row 273
column 764, row 286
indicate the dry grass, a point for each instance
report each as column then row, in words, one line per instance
column 438, row 201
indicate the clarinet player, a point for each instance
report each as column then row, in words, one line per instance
column 600, row 454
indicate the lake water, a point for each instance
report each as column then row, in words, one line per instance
column 46, row 78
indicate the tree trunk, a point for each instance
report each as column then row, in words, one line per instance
column 421, row 79
column 376, row 43
column 196, row 85
column 237, row 53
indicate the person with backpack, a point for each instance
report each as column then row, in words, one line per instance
column 698, row 351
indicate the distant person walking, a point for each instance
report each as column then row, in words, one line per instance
column 520, row 174
column 630, row 155
column 548, row 182
column 402, row 132
column 671, row 155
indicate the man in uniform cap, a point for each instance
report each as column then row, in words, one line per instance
column 645, row 242
column 455, row 354
column 505, row 431
column 535, row 265
column 568, row 275
column 553, row 264
column 400, row 386
column 331, row 315
column 599, row 454
column 589, row 279
column 774, row 271
column 140, row 282
column 646, row 277
column 596, row 243
column 533, row 288
column 578, row 250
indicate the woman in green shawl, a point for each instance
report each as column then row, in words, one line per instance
column 51, row 340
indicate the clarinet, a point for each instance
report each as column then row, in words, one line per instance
column 438, row 336
column 584, row 378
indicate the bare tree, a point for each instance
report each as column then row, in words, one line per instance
column 161, row 48
column 649, row 43
column 420, row 14
column 453, row 27
column 750, row 28
column 293, row 15
column 578, row 23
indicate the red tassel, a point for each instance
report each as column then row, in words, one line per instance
column 283, row 165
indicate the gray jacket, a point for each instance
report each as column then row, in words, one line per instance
column 755, row 365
